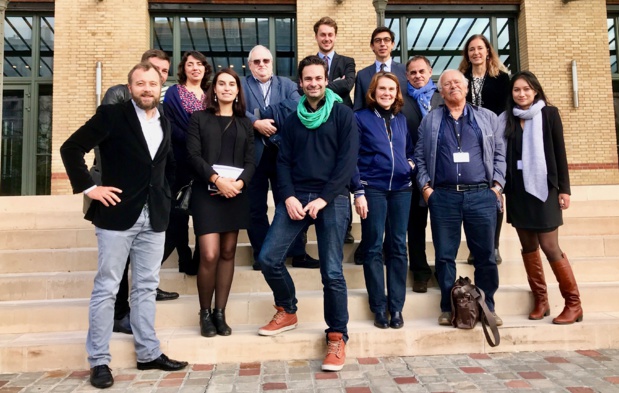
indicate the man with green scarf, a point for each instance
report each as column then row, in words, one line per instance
column 317, row 159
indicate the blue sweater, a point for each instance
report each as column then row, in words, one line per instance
column 320, row 161
column 382, row 164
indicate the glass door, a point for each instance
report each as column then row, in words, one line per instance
column 15, row 116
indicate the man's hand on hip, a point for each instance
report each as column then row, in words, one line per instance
column 105, row 195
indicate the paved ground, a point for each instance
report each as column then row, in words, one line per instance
column 557, row 371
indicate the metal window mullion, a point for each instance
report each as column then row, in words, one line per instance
column 272, row 42
column 403, row 40
column 30, row 122
column 176, row 42
column 494, row 37
column 616, row 18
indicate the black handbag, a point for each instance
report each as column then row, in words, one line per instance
column 182, row 199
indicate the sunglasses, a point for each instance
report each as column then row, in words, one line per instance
column 258, row 61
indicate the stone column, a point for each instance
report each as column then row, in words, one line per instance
column 380, row 6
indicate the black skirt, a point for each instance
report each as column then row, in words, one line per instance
column 217, row 214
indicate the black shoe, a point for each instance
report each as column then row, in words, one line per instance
column 380, row 320
column 163, row 363
column 219, row 319
column 101, row 377
column 256, row 266
column 471, row 259
column 305, row 261
column 207, row 327
column 497, row 256
column 122, row 325
column 359, row 256
column 420, row 286
column 349, row 238
column 163, row 295
column 396, row 320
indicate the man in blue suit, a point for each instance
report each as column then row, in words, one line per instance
column 382, row 43
column 269, row 100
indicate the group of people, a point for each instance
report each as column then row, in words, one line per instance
column 405, row 148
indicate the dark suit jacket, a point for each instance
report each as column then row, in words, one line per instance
column 284, row 97
column 364, row 78
column 342, row 66
column 554, row 151
column 126, row 164
column 494, row 93
column 204, row 146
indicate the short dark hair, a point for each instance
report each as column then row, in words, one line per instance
column 370, row 96
column 158, row 53
column 238, row 107
column 143, row 66
column 418, row 57
column 312, row 60
column 325, row 20
column 208, row 70
column 382, row 29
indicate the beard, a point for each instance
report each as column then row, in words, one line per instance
column 142, row 104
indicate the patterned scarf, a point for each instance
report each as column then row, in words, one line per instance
column 423, row 96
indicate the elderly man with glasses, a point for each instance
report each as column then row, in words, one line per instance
column 269, row 100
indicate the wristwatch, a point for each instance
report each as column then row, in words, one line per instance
column 498, row 188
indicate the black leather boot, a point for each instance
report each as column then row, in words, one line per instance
column 219, row 319
column 207, row 328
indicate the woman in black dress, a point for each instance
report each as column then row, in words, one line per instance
column 537, row 189
column 219, row 135
column 488, row 88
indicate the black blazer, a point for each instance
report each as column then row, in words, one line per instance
column 204, row 146
column 342, row 67
column 494, row 93
column 413, row 114
column 364, row 78
column 125, row 164
column 554, row 150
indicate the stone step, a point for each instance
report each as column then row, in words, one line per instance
column 257, row 308
column 85, row 258
column 29, row 352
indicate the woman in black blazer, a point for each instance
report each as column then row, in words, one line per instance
column 538, row 189
column 219, row 135
column 488, row 88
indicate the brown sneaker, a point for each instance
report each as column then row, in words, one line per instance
column 281, row 322
column 336, row 352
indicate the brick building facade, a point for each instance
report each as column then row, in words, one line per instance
column 550, row 34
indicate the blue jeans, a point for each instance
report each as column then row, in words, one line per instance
column 387, row 215
column 145, row 248
column 258, row 191
column 449, row 210
column 331, row 224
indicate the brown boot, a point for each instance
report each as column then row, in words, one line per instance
column 537, row 282
column 569, row 290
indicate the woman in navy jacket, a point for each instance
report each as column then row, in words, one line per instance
column 382, row 188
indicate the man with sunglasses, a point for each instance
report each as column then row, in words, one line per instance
column 382, row 43
column 269, row 100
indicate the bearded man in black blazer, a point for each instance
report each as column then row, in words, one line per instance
column 130, row 211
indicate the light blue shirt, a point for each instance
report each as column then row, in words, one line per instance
column 387, row 65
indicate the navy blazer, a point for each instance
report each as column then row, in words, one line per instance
column 342, row 77
column 411, row 111
column 126, row 164
column 283, row 98
column 364, row 78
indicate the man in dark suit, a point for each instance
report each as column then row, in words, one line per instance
column 269, row 100
column 341, row 73
column 420, row 98
column 137, row 164
column 382, row 43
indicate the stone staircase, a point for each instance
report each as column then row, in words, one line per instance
column 48, row 261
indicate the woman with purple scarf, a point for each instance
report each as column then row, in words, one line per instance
column 537, row 190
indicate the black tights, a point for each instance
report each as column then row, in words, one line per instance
column 216, row 270
column 547, row 241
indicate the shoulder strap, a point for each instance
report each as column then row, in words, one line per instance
column 487, row 319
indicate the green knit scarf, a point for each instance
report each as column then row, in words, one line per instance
column 313, row 120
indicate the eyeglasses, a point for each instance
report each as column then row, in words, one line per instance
column 386, row 40
column 258, row 61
